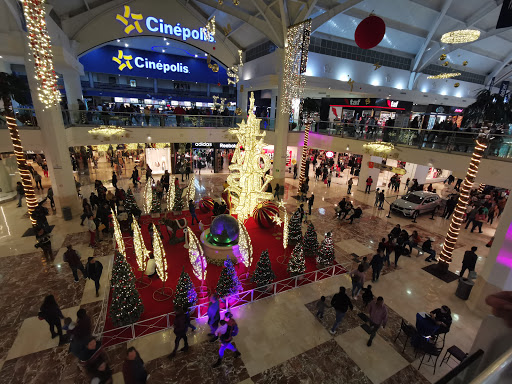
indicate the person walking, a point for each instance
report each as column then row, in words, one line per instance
column 51, row 313
column 358, row 277
column 340, row 302
column 73, row 259
column 91, row 225
column 377, row 193
column 276, row 191
column 377, row 263
column 37, row 179
column 20, row 191
column 469, row 261
column 135, row 177
column 180, row 330
column 369, row 182
column 114, row 180
column 381, row 200
column 350, row 182
column 134, row 371
column 378, row 317
column 311, row 200
column 295, row 171
column 44, row 242
column 479, row 220
column 213, row 315
column 226, row 337
column 329, row 179
column 93, row 269
column 192, row 210
column 87, row 211
column 49, row 196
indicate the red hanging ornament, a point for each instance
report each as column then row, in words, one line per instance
column 370, row 32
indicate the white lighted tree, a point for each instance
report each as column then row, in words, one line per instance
column 118, row 235
column 191, row 190
column 248, row 179
column 141, row 252
column 196, row 255
column 245, row 245
column 161, row 267
column 148, row 196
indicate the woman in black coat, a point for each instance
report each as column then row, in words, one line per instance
column 51, row 312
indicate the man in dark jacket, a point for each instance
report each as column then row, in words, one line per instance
column 133, row 368
column 377, row 263
column 93, row 270
column 180, row 330
column 73, row 259
column 340, row 302
column 310, row 202
column 192, row 210
column 469, row 261
column 427, row 248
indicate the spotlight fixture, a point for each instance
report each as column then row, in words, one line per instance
column 460, row 36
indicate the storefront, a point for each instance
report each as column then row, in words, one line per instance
column 212, row 156
column 438, row 114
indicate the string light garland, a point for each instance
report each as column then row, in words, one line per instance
column 148, row 195
column 244, row 245
column 141, row 252
column 196, row 256
column 118, row 235
column 378, row 148
column 209, row 29
column 191, row 190
column 305, row 149
column 462, row 203
column 41, row 51
column 460, row 36
column 248, row 179
column 26, row 180
column 295, row 63
column 220, row 106
column 159, row 254
column 445, row 75
column 107, row 130
column 286, row 223
column 235, row 69
column 171, row 195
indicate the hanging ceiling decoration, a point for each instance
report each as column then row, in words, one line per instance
column 235, row 69
column 370, row 32
column 209, row 30
column 444, row 75
column 377, row 65
column 465, row 63
column 446, row 63
column 442, row 57
column 456, row 85
column 461, row 36
column 378, row 148
column 351, row 83
column 107, row 130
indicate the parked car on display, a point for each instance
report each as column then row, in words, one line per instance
column 416, row 203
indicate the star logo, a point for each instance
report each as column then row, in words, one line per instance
column 135, row 18
column 123, row 60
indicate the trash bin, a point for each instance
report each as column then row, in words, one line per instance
column 66, row 213
column 464, row 288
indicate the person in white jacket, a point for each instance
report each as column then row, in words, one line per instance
column 151, row 266
column 92, row 231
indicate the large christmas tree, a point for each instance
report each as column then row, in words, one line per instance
column 263, row 275
column 310, row 241
column 297, row 263
column 178, row 200
column 295, row 228
column 126, row 306
column 156, row 203
column 186, row 295
column 130, row 204
column 326, row 251
column 228, row 283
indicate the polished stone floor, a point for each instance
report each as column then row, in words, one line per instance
column 280, row 338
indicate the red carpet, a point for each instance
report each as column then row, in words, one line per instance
column 177, row 258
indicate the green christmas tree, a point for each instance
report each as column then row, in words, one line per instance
column 156, row 203
column 186, row 295
column 326, row 251
column 263, row 275
column 297, row 263
column 310, row 241
column 228, row 283
column 130, row 204
column 126, row 306
column 295, row 228
column 178, row 199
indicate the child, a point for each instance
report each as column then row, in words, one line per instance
column 320, row 307
column 367, row 295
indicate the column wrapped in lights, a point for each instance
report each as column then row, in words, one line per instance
column 464, row 198
column 118, row 236
column 26, row 180
column 305, row 150
column 163, row 293
column 295, row 63
column 41, row 51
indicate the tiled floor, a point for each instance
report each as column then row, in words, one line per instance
column 280, row 339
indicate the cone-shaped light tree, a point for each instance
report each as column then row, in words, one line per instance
column 263, row 275
column 297, row 263
column 228, row 283
column 186, row 295
column 141, row 252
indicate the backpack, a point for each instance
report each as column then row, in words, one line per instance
column 234, row 332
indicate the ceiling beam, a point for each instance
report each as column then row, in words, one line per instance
column 306, row 11
column 433, row 30
column 498, row 68
column 269, row 16
column 284, row 20
column 330, row 13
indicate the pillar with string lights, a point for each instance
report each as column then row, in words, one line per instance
column 458, row 215
column 305, row 150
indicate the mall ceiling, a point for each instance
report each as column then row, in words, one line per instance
column 414, row 27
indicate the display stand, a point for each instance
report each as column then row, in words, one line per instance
column 163, row 293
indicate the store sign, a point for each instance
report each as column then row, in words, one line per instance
column 393, row 104
column 355, row 101
column 135, row 22
column 458, row 110
column 329, row 154
column 203, row 145
column 137, row 62
column 227, row 145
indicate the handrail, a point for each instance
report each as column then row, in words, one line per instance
column 492, row 373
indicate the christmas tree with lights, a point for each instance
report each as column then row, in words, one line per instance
column 326, row 251
column 186, row 295
column 295, row 228
column 310, row 241
column 297, row 263
column 130, row 204
column 126, row 306
column 263, row 275
column 228, row 283
column 178, row 199
column 156, row 203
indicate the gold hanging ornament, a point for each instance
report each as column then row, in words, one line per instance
column 209, row 30
column 456, row 85
column 377, row 65
column 442, row 57
column 351, row 83
column 235, row 69
column 446, row 63
column 464, row 63
column 238, row 111
column 227, row 30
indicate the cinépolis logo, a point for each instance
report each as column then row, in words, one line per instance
column 135, row 21
column 124, row 61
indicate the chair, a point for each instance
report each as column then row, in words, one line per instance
column 409, row 332
column 455, row 352
column 440, row 336
column 432, row 351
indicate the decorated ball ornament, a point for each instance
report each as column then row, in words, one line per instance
column 456, row 85
column 224, row 230
column 238, row 111
column 465, row 63
column 446, row 63
column 370, row 32
column 206, row 204
column 265, row 212
column 442, row 57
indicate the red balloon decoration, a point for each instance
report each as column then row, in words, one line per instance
column 206, row 204
column 264, row 214
column 370, row 32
